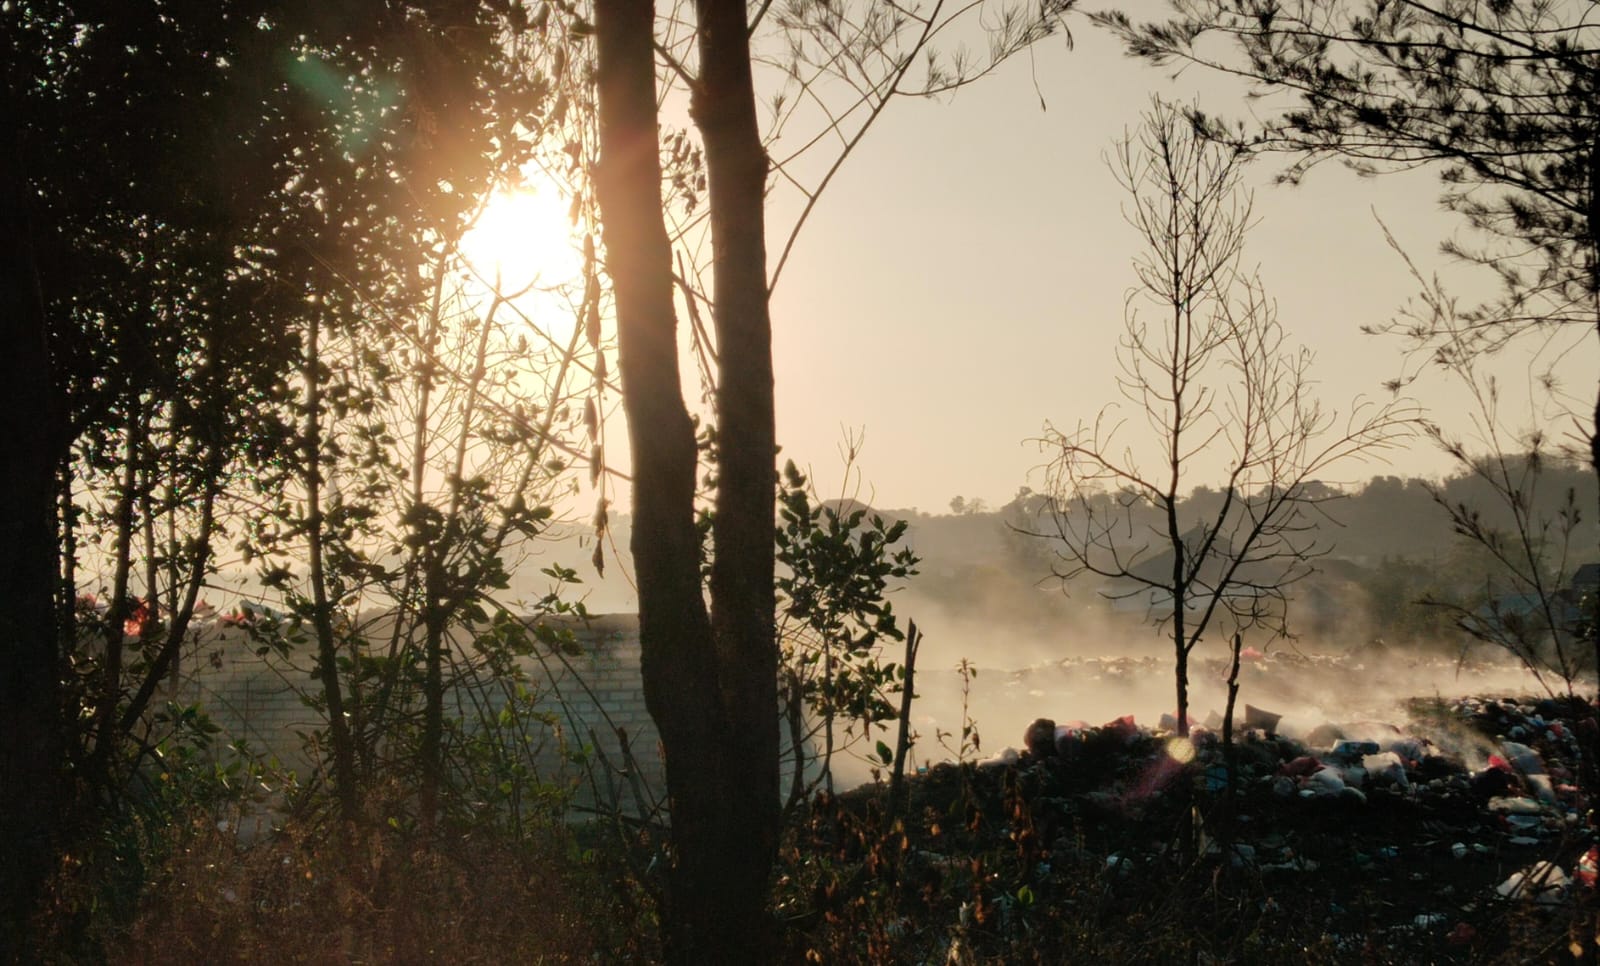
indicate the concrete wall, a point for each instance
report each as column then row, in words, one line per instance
column 592, row 694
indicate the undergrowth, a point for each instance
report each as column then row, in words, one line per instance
column 998, row 865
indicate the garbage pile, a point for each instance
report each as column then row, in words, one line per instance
column 1465, row 803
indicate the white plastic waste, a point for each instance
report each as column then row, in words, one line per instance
column 1007, row 757
column 1386, row 768
column 1541, row 882
column 1323, row 783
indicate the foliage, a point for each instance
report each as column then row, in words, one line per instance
column 241, row 225
column 968, row 743
column 187, row 783
column 1515, row 499
column 1529, row 606
column 438, row 479
column 1012, row 866
column 1396, row 590
column 178, row 297
column 834, row 622
column 1498, row 97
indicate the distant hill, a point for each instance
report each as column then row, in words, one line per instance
column 985, row 588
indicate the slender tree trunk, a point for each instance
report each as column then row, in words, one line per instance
column 165, row 661
column 1180, row 628
column 1230, row 754
column 117, row 612
column 31, row 721
column 713, row 700
column 66, row 551
column 344, row 767
column 794, row 719
column 743, row 588
column 447, row 593
column 902, row 744
column 432, row 743
column 147, row 521
column 1594, row 297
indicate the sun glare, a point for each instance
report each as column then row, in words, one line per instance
column 524, row 240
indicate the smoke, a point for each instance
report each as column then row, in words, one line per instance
column 1071, row 659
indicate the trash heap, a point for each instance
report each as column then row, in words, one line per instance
column 1468, row 805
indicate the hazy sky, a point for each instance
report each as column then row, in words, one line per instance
column 963, row 281
column 964, row 278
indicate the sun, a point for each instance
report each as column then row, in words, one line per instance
column 525, row 240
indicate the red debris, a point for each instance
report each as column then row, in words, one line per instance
column 139, row 619
column 1300, row 767
column 1123, row 728
column 1588, row 869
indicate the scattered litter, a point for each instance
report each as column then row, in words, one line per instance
column 1006, row 758
column 1259, row 719
column 1515, row 806
column 1493, row 780
column 1541, row 882
column 1349, row 750
column 1386, row 768
column 1588, row 868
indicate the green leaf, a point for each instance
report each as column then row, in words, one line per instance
column 885, row 753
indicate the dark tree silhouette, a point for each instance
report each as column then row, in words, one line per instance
column 1210, row 372
column 179, row 178
column 1501, row 98
column 710, row 679
column 30, row 693
column 710, row 675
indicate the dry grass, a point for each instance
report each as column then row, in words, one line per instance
column 376, row 897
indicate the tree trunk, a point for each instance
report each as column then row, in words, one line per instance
column 1180, row 598
column 713, row 699
column 902, row 743
column 165, row 661
column 431, row 749
column 31, row 721
column 743, row 590
column 1589, row 733
column 344, row 767
column 117, row 614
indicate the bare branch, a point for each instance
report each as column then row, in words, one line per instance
column 1213, row 373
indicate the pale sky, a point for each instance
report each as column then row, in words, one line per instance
column 964, row 278
column 963, row 281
